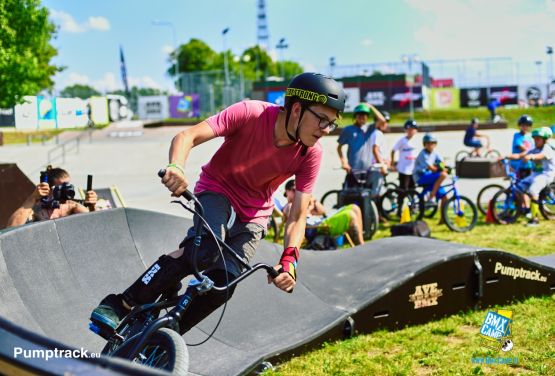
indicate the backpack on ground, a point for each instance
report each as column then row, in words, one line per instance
column 418, row 228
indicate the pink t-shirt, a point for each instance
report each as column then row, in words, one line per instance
column 248, row 167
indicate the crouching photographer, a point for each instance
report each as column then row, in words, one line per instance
column 53, row 197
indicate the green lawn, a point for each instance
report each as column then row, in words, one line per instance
column 542, row 116
column 447, row 346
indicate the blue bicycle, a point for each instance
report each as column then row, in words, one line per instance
column 459, row 212
column 508, row 204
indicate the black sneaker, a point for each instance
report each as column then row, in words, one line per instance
column 533, row 222
column 106, row 317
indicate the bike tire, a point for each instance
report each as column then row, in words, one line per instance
column 493, row 154
column 469, row 214
column 375, row 220
column 335, row 192
column 463, row 154
column 547, row 202
column 505, row 207
column 389, row 204
column 164, row 349
column 486, row 195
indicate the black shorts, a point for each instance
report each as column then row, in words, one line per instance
column 406, row 182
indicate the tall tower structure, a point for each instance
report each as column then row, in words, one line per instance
column 262, row 35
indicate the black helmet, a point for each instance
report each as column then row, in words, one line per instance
column 474, row 121
column 411, row 124
column 525, row 120
column 317, row 88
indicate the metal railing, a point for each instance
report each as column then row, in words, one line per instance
column 60, row 150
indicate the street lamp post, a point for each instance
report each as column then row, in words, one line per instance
column 168, row 23
column 409, row 59
column 332, row 65
column 549, row 51
column 538, row 64
column 281, row 46
column 246, row 59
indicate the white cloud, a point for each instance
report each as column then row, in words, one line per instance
column 108, row 82
column 76, row 78
column 68, row 24
column 99, row 23
column 144, row 81
column 476, row 28
column 367, row 42
column 167, row 49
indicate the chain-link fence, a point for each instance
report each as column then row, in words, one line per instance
column 213, row 93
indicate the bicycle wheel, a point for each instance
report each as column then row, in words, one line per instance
column 493, row 154
column 460, row 214
column 485, row 195
column 389, row 204
column 165, row 349
column 374, row 218
column 329, row 195
column 505, row 207
column 547, row 201
column 463, row 154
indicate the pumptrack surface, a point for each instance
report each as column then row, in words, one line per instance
column 53, row 273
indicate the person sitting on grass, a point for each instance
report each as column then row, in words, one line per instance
column 347, row 219
column 543, row 157
column 43, row 203
column 472, row 137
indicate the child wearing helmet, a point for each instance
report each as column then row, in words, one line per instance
column 407, row 155
column 264, row 145
column 522, row 143
column 543, row 158
column 357, row 138
column 428, row 168
column 472, row 137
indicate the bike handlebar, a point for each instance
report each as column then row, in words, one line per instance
column 187, row 194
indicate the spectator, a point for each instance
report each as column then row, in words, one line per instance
column 407, row 155
column 492, row 108
column 379, row 163
column 52, row 199
column 472, row 137
column 347, row 219
column 357, row 138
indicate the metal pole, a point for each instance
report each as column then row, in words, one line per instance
column 410, row 88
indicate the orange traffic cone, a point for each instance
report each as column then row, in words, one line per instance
column 489, row 213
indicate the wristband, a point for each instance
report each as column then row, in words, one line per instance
column 175, row 165
column 288, row 261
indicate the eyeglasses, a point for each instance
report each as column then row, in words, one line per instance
column 324, row 123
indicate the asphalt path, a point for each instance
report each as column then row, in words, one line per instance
column 128, row 156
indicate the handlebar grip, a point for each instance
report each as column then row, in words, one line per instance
column 272, row 272
column 89, row 182
column 187, row 194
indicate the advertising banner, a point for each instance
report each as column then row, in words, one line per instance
column 71, row 113
column 353, row 98
column 533, row 95
column 184, row 106
column 276, row 97
column 26, row 114
column 474, row 97
column 507, row 95
column 154, row 107
column 377, row 97
column 401, row 97
column 7, row 117
column 99, row 110
column 47, row 112
column 444, row 98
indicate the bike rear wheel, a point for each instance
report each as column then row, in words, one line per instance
column 486, row 195
column 463, row 154
column 547, row 202
column 460, row 214
column 505, row 207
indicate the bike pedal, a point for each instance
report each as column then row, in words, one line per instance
column 101, row 330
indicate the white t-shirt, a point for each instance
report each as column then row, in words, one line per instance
column 407, row 155
column 377, row 138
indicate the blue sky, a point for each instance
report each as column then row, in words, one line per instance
column 353, row 31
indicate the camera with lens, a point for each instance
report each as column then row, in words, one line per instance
column 60, row 193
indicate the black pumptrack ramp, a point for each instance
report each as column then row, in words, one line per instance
column 53, row 273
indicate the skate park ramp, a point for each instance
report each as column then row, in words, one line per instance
column 53, row 273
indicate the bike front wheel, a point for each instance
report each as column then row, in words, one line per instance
column 460, row 214
column 493, row 154
column 164, row 349
column 506, row 207
column 547, row 201
column 486, row 195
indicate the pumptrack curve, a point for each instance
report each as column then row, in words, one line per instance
column 53, row 273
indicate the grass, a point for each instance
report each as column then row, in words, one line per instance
column 12, row 136
column 447, row 346
column 543, row 116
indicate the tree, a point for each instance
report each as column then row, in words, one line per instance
column 193, row 56
column 25, row 50
column 79, row 91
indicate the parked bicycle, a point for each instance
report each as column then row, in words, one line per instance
column 146, row 338
column 465, row 154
